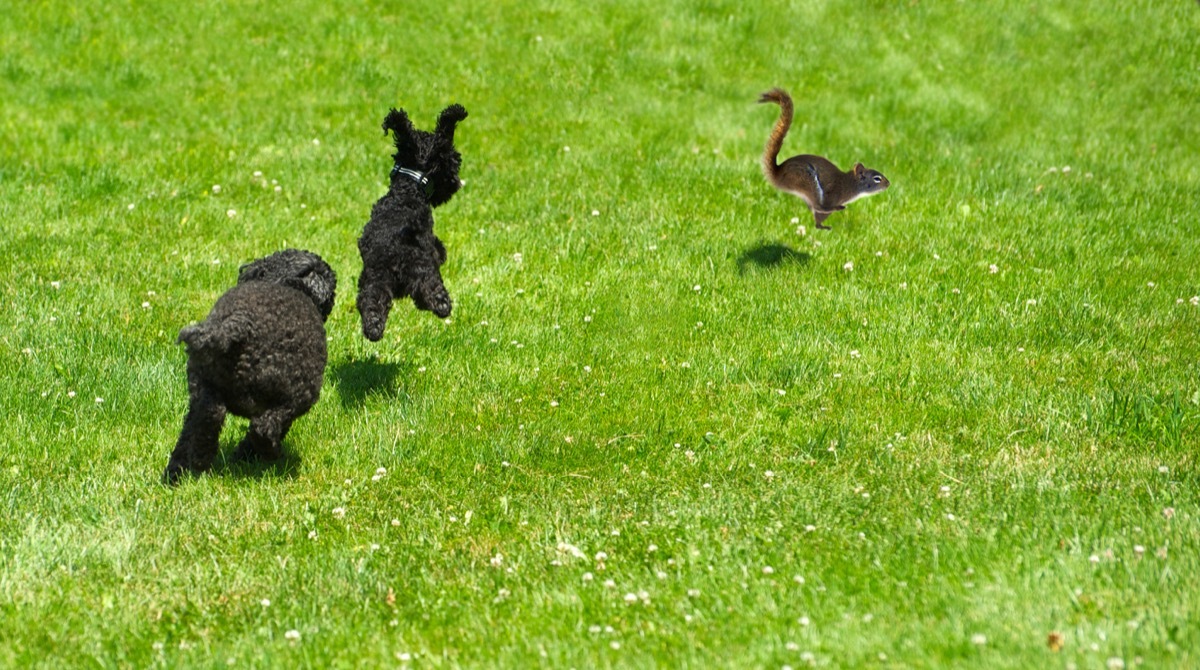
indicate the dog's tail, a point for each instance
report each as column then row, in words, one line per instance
column 214, row 339
column 775, row 139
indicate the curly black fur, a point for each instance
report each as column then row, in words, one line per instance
column 260, row 354
column 400, row 253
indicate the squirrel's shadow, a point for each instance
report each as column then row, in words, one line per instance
column 356, row 380
column 769, row 256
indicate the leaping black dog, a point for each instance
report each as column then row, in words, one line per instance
column 401, row 255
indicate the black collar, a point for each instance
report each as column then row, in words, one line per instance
column 416, row 175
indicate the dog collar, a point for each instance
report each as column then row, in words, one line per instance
column 417, row 176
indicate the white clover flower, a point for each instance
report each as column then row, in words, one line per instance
column 293, row 635
column 768, row 570
column 231, row 213
column 979, row 639
column 587, row 577
column 803, row 621
column 216, row 188
column 993, row 268
column 339, row 512
column 849, row 266
column 496, row 560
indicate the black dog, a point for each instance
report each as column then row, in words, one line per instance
column 400, row 253
column 260, row 354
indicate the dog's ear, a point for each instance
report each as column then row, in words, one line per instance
column 448, row 119
column 402, row 131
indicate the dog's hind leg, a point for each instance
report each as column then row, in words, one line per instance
column 267, row 430
column 374, row 302
column 198, row 443
column 431, row 294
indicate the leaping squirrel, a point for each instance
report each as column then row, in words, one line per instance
column 822, row 186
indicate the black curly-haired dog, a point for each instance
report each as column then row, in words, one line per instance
column 260, row 354
column 400, row 253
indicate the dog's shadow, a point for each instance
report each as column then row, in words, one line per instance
column 357, row 380
column 287, row 466
column 770, row 256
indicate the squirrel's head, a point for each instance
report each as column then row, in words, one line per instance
column 428, row 158
column 869, row 181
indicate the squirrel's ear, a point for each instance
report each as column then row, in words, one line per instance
column 858, row 169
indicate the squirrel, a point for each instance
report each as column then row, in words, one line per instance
column 822, row 186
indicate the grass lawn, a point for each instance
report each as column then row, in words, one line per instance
column 663, row 425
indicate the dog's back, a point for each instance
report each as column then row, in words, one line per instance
column 262, row 346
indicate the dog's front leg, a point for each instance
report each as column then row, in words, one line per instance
column 374, row 302
column 198, row 443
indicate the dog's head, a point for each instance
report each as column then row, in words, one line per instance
column 428, row 158
column 301, row 270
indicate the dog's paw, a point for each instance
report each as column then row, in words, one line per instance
column 439, row 302
column 373, row 330
column 173, row 474
column 441, row 306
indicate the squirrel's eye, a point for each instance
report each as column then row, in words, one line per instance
column 878, row 180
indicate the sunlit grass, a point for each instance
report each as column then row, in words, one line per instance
column 661, row 426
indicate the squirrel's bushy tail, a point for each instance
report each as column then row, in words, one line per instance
column 775, row 139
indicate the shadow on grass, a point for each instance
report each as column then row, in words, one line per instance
column 287, row 466
column 355, row 380
column 769, row 256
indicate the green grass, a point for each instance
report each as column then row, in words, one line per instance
column 985, row 432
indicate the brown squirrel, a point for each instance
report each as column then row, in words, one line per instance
column 822, row 186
